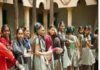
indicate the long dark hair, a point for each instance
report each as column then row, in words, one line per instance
column 37, row 26
column 51, row 26
column 79, row 28
column 59, row 24
column 2, row 30
column 24, row 29
column 86, row 27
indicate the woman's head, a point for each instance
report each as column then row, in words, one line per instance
column 51, row 30
column 80, row 29
column 26, row 31
column 90, row 29
column 41, row 31
column 69, row 30
column 37, row 26
column 86, row 29
column 62, row 26
column 19, row 34
column 5, row 31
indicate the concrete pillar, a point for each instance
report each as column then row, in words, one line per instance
column 27, row 18
column 45, row 23
column 69, row 16
column 1, row 22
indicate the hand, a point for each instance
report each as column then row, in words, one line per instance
column 70, row 41
column 30, row 50
column 17, row 63
column 86, row 39
column 80, row 58
column 59, row 50
column 10, row 48
column 48, row 53
column 47, row 63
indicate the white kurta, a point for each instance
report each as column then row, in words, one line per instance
column 87, row 54
column 66, row 59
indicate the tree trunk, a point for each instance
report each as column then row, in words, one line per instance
column 51, row 12
column 33, row 16
column 15, row 14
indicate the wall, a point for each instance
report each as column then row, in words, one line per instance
column 10, row 16
column 84, row 15
column 61, row 14
column 81, row 15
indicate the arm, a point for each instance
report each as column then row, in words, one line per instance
column 2, row 40
column 47, row 42
column 39, row 53
column 62, row 39
column 4, row 52
column 16, row 49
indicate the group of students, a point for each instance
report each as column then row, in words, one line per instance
column 59, row 48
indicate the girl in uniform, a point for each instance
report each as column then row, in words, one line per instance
column 96, row 50
column 19, row 49
column 87, row 55
column 40, row 61
column 80, row 35
column 64, row 56
column 73, row 47
column 6, row 40
column 27, row 44
column 49, row 38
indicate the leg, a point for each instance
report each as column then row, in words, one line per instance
column 92, row 67
column 55, row 63
column 88, row 67
column 61, row 63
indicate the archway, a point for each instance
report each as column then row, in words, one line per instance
column 40, row 13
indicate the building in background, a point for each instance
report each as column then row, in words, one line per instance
column 72, row 12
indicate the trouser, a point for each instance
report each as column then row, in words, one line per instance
column 58, row 64
column 86, row 67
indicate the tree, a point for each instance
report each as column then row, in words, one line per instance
column 33, row 16
column 51, row 12
column 16, row 14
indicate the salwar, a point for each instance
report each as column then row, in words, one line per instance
column 92, row 67
column 86, row 67
column 29, row 63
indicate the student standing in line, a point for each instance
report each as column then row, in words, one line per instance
column 96, row 50
column 19, row 49
column 80, row 35
column 5, row 53
column 57, row 54
column 66, row 62
column 49, row 44
column 40, row 61
column 27, row 45
column 6, row 40
column 92, row 42
column 87, row 55
column 73, row 47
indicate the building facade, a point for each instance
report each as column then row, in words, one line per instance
column 72, row 12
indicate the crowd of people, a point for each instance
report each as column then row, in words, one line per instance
column 59, row 49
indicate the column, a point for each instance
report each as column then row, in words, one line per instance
column 27, row 18
column 1, row 22
column 45, row 23
column 51, row 13
column 69, row 16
